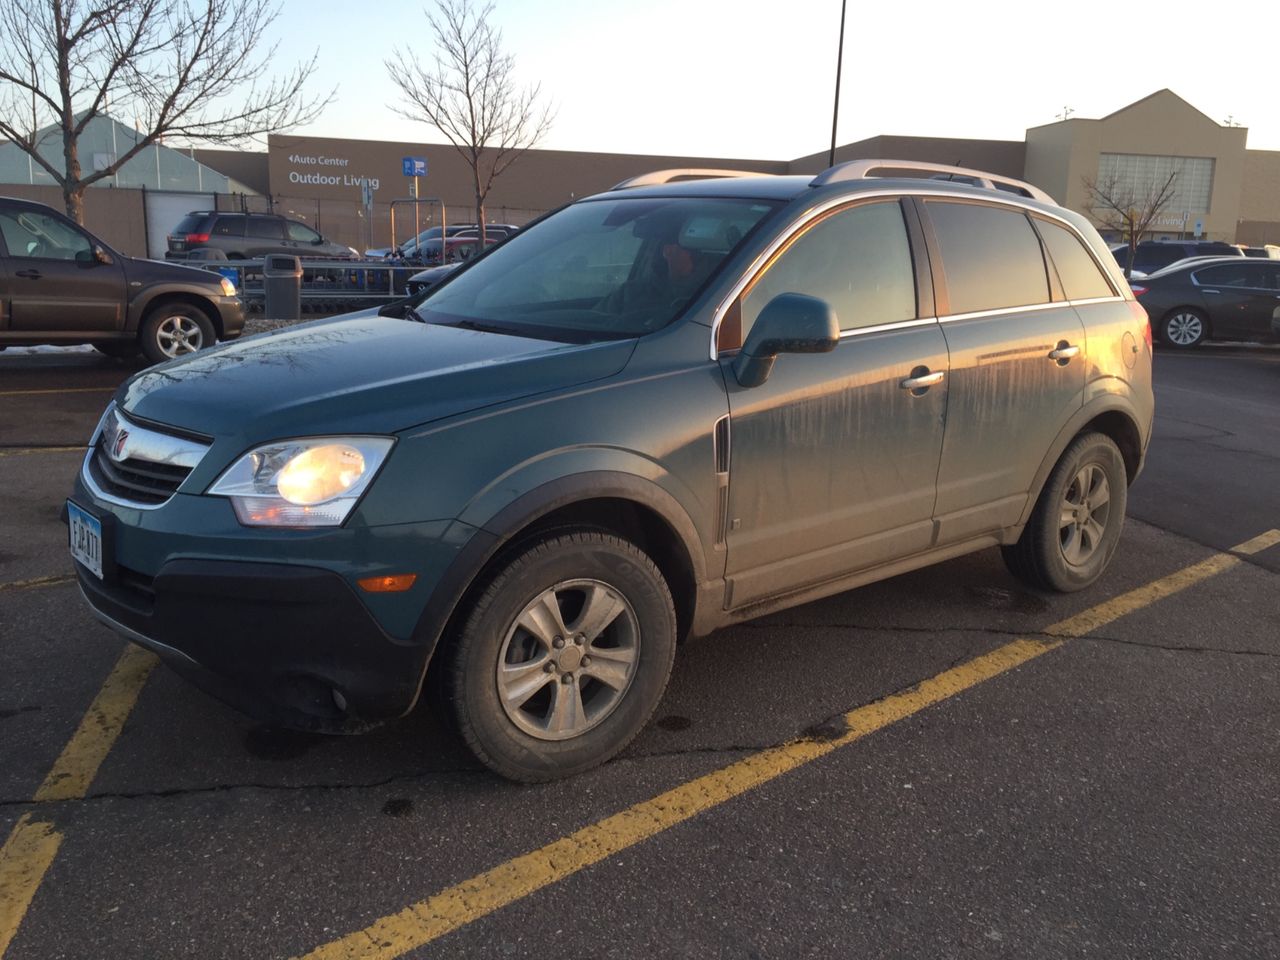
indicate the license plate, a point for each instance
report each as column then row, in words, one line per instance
column 85, row 534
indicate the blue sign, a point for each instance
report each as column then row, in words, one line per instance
column 414, row 166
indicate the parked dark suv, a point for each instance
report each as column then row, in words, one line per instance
column 59, row 284
column 667, row 408
column 1153, row 255
column 248, row 236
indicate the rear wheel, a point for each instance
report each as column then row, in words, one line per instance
column 1184, row 328
column 175, row 329
column 563, row 658
column 1076, row 524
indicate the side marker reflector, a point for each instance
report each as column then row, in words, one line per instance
column 396, row 583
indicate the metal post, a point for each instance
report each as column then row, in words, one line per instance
column 835, row 111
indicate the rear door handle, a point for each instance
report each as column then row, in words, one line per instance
column 923, row 381
column 29, row 274
column 1064, row 353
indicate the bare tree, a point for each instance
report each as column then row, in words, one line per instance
column 469, row 94
column 1128, row 208
column 194, row 69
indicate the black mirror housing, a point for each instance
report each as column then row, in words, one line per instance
column 789, row 323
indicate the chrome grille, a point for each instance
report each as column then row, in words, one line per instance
column 136, row 466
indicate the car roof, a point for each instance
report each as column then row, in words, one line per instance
column 1197, row 263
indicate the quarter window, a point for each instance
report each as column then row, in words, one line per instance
column 990, row 255
column 1080, row 275
column 229, row 227
column 858, row 260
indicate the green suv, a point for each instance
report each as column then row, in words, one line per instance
column 688, row 401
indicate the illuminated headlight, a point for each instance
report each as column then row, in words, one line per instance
column 302, row 483
column 228, row 288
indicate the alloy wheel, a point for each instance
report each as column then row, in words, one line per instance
column 568, row 659
column 1184, row 329
column 179, row 335
column 1085, row 509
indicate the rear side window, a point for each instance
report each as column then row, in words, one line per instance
column 266, row 228
column 1081, row 277
column 302, row 233
column 229, row 227
column 858, row 260
column 1242, row 274
column 991, row 257
column 191, row 223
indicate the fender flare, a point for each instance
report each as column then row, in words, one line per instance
column 143, row 302
column 500, row 529
column 1107, row 403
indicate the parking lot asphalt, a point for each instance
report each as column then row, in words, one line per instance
column 942, row 764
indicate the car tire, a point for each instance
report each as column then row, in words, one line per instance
column 1089, row 490
column 119, row 349
column 173, row 330
column 1184, row 328
column 563, row 657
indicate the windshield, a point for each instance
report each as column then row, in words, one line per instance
column 600, row 270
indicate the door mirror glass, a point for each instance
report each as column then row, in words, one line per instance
column 789, row 323
column 100, row 255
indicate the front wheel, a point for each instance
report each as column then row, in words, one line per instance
column 563, row 657
column 174, row 330
column 1076, row 523
column 1184, row 328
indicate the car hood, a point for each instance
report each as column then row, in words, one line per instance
column 356, row 375
column 161, row 271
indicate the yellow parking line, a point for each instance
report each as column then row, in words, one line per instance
column 38, row 393
column 427, row 920
column 24, row 858
column 75, row 769
column 28, row 451
column 36, row 582
column 30, row 849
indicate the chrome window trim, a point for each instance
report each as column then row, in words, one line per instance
column 813, row 213
column 882, row 327
column 1088, row 300
column 144, row 444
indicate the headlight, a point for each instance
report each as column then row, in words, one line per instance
column 302, row 483
column 228, row 288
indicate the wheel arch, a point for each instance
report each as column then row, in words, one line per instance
column 141, row 309
column 631, row 507
column 1107, row 415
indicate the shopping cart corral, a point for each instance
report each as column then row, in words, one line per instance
column 328, row 286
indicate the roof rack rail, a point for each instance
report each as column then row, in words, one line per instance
column 862, row 169
column 683, row 173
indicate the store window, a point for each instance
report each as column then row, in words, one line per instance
column 1139, row 175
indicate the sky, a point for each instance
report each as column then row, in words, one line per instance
column 745, row 79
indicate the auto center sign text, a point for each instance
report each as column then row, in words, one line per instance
column 331, row 172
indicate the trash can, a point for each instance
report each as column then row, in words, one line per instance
column 282, row 283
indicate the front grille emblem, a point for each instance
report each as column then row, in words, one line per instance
column 117, row 448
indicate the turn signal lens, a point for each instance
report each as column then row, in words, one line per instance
column 320, row 473
column 396, row 583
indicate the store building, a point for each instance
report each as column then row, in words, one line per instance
column 1223, row 190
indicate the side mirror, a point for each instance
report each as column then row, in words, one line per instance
column 101, row 256
column 789, row 323
column 317, row 241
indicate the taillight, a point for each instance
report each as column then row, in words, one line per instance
column 1137, row 290
column 1140, row 314
column 197, row 238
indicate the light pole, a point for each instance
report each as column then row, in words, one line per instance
column 835, row 111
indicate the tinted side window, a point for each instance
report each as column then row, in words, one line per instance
column 229, row 227
column 302, row 233
column 265, row 227
column 991, row 257
column 858, row 260
column 1080, row 275
column 28, row 233
column 1243, row 274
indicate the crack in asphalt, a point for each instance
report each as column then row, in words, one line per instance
column 1176, row 648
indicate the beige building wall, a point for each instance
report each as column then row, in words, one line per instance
column 1005, row 157
column 1060, row 156
column 117, row 216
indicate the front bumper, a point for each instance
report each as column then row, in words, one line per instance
column 230, row 317
column 271, row 621
column 290, row 645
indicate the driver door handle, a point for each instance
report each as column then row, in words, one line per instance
column 1064, row 353
column 29, row 274
column 923, row 381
